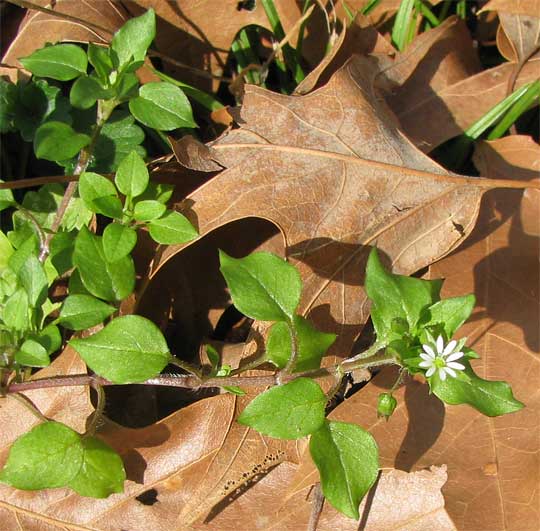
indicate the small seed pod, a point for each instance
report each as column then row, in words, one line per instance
column 386, row 405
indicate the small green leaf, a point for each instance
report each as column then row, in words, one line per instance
column 86, row 91
column 172, row 228
column 492, row 398
column 132, row 175
column 132, row 40
column 118, row 241
column 450, row 313
column 15, row 314
column 32, row 354
column 348, row 461
column 49, row 338
column 312, row 344
column 57, row 141
column 6, row 250
column 157, row 192
column 61, row 251
column 289, row 411
column 98, row 57
column 129, row 349
column 162, row 106
column 76, row 286
column 33, row 279
column 396, row 296
column 8, row 105
column 262, row 285
column 102, row 471
column 80, row 312
column 6, row 198
column 106, row 280
column 48, row 456
column 99, row 195
column 148, row 210
column 61, row 61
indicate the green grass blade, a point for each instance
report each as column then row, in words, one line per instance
column 523, row 103
column 426, row 12
column 461, row 9
column 370, row 6
column 402, row 24
column 242, row 49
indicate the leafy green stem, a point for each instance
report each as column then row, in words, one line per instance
column 294, row 350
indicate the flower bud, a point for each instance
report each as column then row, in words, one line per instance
column 386, row 405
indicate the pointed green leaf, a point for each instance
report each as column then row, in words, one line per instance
column 262, row 285
column 172, row 228
column 15, row 314
column 33, row 279
column 492, row 398
column 49, row 338
column 48, row 456
column 106, row 280
column 129, row 349
column 98, row 57
column 132, row 40
column 450, row 313
column 396, row 296
column 132, row 175
column 6, row 250
column 348, row 461
column 289, row 411
column 102, row 471
column 80, row 312
column 61, row 61
column 162, row 106
column 32, row 354
column 118, row 241
column 58, row 141
column 99, row 195
column 86, row 91
column 312, row 344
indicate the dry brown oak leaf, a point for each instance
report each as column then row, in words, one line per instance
column 493, row 463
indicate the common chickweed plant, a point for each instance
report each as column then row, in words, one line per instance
column 53, row 236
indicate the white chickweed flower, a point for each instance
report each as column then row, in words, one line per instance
column 443, row 360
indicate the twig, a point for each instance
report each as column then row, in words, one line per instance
column 316, row 508
column 37, row 181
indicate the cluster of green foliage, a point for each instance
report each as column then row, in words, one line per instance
column 408, row 314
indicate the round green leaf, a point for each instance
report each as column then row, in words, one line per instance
column 32, row 354
column 48, row 456
column 289, row 411
column 348, row 463
column 102, row 471
column 118, row 241
column 80, row 312
column 57, row 141
column 86, row 91
column 172, row 228
column 132, row 175
column 162, row 106
column 61, row 61
column 262, row 285
column 99, row 194
column 129, row 349
column 133, row 39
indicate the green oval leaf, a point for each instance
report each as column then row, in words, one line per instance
column 133, row 39
column 162, row 106
column 132, row 175
column 262, row 285
column 450, row 313
column 148, row 210
column 33, row 279
column 172, row 228
column 348, row 463
column 57, row 141
column 118, row 241
column 289, row 411
column 129, row 349
column 102, row 471
column 32, row 354
column 80, row 312
column 86, row 91
column 61, row 61
column 48, row 456
column 99, row 194
column 106, row 280
column 312, row 344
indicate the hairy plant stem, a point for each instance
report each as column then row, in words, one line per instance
column 98, row 412
column 189, row 381
column 104, row 110
column 291, row 362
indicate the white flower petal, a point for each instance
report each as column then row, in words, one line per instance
column 427, row 357
column 425, row 364
column 450, row 347
column 440, row 345
column 450, row 371
column 429, row 351
column 430, row 371
column 455, row 365
column 442, row 374
column 455, row 356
